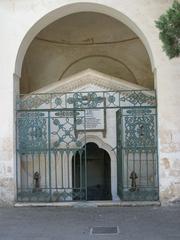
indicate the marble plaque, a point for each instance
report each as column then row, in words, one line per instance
column 94, row 120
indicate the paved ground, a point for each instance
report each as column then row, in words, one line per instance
column 45, row 223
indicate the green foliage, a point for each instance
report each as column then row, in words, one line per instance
column 169, row 25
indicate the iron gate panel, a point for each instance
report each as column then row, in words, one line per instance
column 47, row 144
column 137, row 154
column 51, row 147
column 87, row 100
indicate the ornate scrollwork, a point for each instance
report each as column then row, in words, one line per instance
column 32, row 135
column 139, row 129
column 111, row 99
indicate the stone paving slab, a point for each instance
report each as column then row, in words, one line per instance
column 62, row 223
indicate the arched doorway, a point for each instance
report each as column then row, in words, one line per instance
column 97, row 172
column 79, row 63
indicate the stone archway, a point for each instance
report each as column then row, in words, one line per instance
column 58, row 13
column 74, row 8
column 97, row 172
column 113, row 160
column 28, row 19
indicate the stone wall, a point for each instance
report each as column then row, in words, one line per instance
column 21, row 21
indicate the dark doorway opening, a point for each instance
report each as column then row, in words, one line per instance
column 98, row 172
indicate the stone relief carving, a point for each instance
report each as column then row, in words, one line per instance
column 86, row 77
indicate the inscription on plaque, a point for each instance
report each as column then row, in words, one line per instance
column 94, row 120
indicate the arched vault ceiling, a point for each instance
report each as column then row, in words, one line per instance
column 85, row 40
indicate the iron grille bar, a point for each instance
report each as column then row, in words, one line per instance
column 50, row 148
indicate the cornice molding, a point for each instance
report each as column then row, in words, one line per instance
column 79, row 81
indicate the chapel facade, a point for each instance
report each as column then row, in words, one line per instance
column 89, row 103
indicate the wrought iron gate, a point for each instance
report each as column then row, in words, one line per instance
column 47, row 146
column 51, row 144
column 137, row 154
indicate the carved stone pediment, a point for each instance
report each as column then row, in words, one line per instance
column 89, row 80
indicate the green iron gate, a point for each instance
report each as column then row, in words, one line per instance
column 46, row 144
column 137, row 154
column 51, row 144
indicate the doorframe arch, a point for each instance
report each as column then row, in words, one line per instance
column 113, row 159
